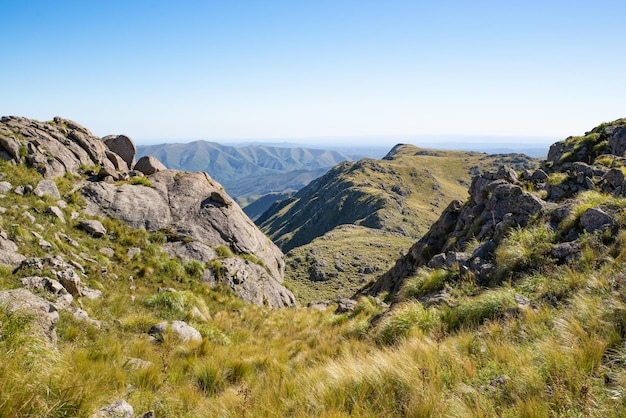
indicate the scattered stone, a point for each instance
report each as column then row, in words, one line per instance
column 133, row 251
column 118, row 409
column 19, row 190
column 56, row 211
column 320, row 305
column 345, row 305
column 5, row 186
column 106, row 251
column 149, row 165
column 81, row 315
column 45, row 245
column 62, row 298
column 29, row 216
column 93, row 227
column 70, row 281
column 47, row 188
column 90, row 293
column 183, row 331
column 61, row 204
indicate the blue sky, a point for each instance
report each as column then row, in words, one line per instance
column 304, row 69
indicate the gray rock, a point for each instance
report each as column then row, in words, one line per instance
column 133, row 251
column 617, row 140
column 5, row 186
column 118, row 162
column 345, row 305
column 70, row 281
column 320, row 305
column 149, row 165
column 47, row 188
column 82, row 315
column 437, row 261
column 61, row 297
column 57, row 212
column 93, row 227
column 614, row 178
column 118, row 409
column 10, row 258
column 10, row 145
column 90, row 293
column 45, row 245
column 29, row 216
column 44, row 314
column 594, row 219
column 122, row 146
column 183, row 331
column 539, row 176
column 109, row 252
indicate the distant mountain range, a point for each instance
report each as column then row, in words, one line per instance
column 251, row 171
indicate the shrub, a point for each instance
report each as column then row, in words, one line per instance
column 401, row 321
column 524, row 248
column 425, row 281
column 474, row 311
column 143, row 181
column 223, row 251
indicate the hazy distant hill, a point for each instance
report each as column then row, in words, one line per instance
column 251, row 171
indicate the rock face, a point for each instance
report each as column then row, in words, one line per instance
column 122, row 146
column 499, row 202
column 191, row 205
column 44, row 314
column 53, row 148
column 195, row 206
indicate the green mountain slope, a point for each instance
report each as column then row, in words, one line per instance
column 392, row 201
column 540, row 333
column 248, row 171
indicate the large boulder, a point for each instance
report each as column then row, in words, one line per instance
column 122, row 146
column 149, row 165
column 195, row 206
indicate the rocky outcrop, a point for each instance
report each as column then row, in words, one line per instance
column 53, row 148
column 194, row 206
column 499, row 201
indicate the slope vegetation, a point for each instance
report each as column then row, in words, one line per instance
column 388, row 203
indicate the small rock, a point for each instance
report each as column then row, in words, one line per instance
column 133, row 251
column 45, row 245
column 118, row 409
column 106, row 251
column 70, row 281
column 47, row 188
column 345, row 305
column 5, row 186
column 56, row 211
column 183, row 331
column 90, row 293
column 61, row 203
column 19, row 190
column 320, row 305
column 196, row 315
column 29, row 216
column 93, row 227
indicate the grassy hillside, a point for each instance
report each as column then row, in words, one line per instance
column 392, row 201
column 546, row 339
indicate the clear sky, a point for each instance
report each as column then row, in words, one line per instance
column 266, row 69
